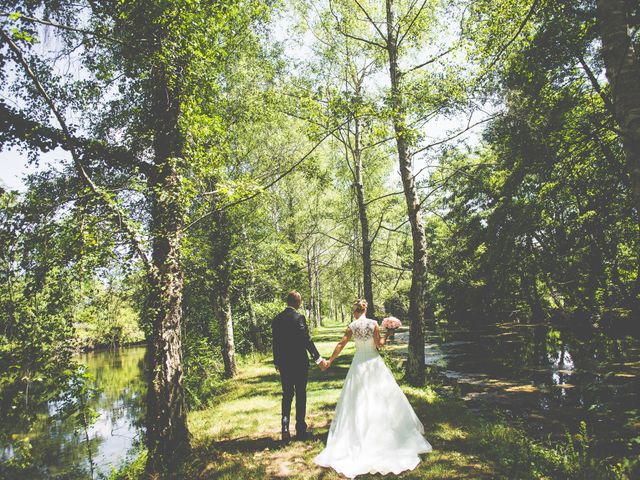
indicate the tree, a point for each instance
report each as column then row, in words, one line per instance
column 545, row 207
column 160, row 58
column 623, row 70
column 405, row 25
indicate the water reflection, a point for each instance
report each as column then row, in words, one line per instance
column 548, row 377
column 63, row 452
column 120, row 403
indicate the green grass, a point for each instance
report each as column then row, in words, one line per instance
column 237, row 438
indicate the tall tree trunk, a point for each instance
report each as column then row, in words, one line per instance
column 318, row 293
column 254, row 328
column 364, row 221
column 220, row 265
column 623, row 73
column 222, row 306
column 415, row 361
column 167, row 436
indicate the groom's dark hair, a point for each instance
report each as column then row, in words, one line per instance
column 294, row 299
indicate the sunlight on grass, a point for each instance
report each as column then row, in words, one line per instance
column 238, row 437
column 450, row 432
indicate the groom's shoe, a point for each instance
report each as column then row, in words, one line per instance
column 286, row 436
column 304, row 434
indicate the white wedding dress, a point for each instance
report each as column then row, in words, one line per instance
column 374, row 429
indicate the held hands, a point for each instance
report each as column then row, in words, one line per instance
column 324, row 365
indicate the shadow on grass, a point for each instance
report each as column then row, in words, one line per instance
column 260, row 454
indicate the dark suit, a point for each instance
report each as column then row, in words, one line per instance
column 291, row 342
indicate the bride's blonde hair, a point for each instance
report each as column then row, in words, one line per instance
column 360, row 306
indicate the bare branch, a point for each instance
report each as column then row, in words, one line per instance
column 376, row 143
column 431, row 60
column 354, row 37
column 381, row 263
column 456, row 135
column 382, row 35
column 375, row 234
column 360, row 39
column 397, row 228
column 384, row 196
column 595, row 84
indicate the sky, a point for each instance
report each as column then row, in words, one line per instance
column 12, row 167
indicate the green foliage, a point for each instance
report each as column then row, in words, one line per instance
column 542, row 221
column 133, row 470
column 36, row 304
column 106, row 316
column 523, row 458
column 203, row 372
column 534, row 220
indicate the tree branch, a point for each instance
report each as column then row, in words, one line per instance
column 514, row 37
column 381, row 263
column 384, row 196
column 15, row 126
column 595, row 84
column 69, row 140
column 375, row 25
column 456, row 135
column 375, row 234
column 431, row 60
column 49, row 23
column 411, row 24
column 354, row 37
column 265, row 187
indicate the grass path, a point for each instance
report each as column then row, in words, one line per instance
column 238, row 438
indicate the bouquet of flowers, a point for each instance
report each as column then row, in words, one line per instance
column 391, row 323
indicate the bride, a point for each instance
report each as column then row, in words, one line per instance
column 374, row 429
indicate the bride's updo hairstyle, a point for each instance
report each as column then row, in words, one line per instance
column 360, row 306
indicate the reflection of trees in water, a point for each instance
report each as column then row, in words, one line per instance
column 580, row 375
column 119, row 377
column 59, row 440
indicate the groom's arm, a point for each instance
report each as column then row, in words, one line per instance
column 306, row 338
column 275, row 342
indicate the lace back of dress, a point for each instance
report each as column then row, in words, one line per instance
column 363, row 329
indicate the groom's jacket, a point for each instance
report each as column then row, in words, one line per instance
column 291, row 340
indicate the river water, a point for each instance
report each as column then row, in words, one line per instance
column 548, row 379
column 61, row 452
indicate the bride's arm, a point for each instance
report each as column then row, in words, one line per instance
column 340, row 345
column 380, row 341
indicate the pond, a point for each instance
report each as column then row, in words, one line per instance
column 549, row 379
column 62, row 453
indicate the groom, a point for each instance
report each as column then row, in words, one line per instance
column 291, row 341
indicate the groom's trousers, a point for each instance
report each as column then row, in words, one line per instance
column 294, row 382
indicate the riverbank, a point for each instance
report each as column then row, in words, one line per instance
column 238, row 437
